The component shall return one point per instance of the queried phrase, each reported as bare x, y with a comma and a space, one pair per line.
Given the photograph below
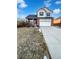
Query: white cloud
58, 2
47, 3
20, 1
22, 4
56, 11
23, 16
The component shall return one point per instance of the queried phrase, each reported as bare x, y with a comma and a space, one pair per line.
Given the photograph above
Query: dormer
44, 12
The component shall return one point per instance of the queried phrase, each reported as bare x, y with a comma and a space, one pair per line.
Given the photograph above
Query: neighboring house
42, 17
57, 21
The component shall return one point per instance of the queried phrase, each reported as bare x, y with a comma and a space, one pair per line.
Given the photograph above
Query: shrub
28, 24
24, 24
21, 24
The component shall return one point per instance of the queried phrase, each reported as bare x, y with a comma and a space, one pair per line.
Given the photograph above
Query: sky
27, 7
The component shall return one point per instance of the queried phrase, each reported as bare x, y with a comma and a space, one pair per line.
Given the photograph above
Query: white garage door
45, 22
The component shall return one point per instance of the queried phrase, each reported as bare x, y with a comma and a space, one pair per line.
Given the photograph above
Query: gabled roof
31, 16
59, 17
35, 17
46, 10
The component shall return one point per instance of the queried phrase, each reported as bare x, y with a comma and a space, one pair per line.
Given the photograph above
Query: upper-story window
48, 14
41, 13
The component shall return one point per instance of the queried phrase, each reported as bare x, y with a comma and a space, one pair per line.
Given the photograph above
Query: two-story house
42, 17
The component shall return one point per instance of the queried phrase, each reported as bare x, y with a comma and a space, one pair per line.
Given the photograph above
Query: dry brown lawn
30, 44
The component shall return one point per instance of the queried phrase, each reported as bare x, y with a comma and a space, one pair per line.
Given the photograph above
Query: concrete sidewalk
52, 37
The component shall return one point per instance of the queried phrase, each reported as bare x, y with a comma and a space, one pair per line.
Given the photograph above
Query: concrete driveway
52, 37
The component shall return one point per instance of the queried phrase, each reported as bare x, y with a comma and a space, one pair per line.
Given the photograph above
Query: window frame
41, 13
47, 14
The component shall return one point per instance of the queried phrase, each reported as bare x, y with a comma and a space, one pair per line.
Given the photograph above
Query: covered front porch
33, 20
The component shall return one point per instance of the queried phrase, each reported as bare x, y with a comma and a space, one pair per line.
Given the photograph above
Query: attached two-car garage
45, 22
